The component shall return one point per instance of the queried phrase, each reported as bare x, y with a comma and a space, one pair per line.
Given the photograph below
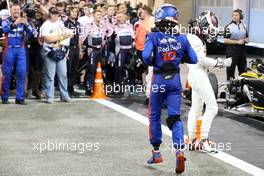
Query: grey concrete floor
117, 145
243, 133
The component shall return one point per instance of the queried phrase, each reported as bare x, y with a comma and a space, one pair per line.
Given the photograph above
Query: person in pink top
110, 20
124, 37
96, 33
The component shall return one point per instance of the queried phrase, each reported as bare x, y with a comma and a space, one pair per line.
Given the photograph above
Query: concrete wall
185, 8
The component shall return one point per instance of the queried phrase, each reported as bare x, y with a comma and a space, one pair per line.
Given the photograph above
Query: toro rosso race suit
14, 53
168, 51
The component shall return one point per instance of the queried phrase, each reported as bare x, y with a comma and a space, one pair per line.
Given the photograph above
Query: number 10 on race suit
169, 56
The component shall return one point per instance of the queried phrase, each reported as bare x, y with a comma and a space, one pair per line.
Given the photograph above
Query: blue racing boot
180, 162
156, 157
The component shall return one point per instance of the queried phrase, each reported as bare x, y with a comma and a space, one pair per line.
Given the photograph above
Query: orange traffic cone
99, 92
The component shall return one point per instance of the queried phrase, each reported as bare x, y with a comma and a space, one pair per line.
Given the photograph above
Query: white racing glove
221, 63
228, 62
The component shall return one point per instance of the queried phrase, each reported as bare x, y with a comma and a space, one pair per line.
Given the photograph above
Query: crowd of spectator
56, 45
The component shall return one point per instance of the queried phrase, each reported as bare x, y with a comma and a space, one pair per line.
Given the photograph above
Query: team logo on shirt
169, 47
172, 40
167, 41
163, 41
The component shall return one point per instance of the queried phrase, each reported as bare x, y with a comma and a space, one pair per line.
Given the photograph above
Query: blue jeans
51, 68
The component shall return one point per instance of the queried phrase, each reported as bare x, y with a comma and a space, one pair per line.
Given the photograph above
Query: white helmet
207, 24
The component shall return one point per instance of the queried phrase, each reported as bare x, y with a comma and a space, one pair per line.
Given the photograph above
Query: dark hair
98, 5
96, 10
147, 9
64, 3
139, 5
85, 5
3, 5
53, 10
59, 4
71, 8
118, 5
75, 4
240, 12
14, 3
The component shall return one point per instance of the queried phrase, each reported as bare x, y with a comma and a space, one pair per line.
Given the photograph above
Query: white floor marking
238, 163
12, 100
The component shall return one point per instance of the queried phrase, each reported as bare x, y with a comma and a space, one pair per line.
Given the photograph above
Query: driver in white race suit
206, 29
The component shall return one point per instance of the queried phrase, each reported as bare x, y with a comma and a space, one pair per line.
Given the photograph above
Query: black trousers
93, 59
72, 67
122, 60
240, 62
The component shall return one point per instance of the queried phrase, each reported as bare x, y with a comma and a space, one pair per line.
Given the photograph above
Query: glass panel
223, 3
257, 4
201, 2
226, 3
205, 3
262, 5
211, 3
218, 3
230, 3
253, 4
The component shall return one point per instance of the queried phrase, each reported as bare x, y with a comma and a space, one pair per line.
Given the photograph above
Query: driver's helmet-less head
207, 25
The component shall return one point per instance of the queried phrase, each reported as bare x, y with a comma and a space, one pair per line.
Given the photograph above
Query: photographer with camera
236, 36
54, 34
14, 28
44, 8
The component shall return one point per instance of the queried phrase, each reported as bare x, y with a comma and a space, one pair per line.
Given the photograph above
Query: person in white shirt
53, 32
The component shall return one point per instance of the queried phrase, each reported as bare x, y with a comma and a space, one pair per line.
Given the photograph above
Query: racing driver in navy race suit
14, 28
165, 49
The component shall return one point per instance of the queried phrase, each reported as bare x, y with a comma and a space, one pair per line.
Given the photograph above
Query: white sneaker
194, 145
205, 146
66, 100
49, 101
